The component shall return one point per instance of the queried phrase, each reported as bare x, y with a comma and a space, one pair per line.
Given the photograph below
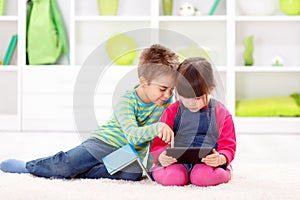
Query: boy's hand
166, 134
215, 159
165, 160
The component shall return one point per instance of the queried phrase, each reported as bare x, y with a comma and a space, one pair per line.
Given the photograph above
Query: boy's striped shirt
132, 122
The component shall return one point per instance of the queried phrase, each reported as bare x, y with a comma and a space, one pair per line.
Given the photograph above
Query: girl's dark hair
195, 78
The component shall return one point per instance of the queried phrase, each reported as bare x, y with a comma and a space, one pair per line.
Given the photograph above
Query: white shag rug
266, 167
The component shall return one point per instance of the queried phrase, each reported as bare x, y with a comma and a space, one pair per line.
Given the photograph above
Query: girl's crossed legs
200, 175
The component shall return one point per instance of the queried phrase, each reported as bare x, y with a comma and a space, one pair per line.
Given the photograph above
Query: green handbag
46, 39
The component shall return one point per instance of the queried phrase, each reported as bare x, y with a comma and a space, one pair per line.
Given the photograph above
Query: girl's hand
166, 134
166, 160
215, 159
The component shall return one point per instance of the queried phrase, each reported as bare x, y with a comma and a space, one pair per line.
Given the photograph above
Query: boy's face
159, 90
194, 104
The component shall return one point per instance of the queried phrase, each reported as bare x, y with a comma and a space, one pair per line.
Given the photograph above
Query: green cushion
271, 106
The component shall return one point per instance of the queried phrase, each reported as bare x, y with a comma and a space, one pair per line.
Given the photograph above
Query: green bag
46, 37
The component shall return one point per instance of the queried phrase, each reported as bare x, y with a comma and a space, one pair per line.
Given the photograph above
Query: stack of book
121, 158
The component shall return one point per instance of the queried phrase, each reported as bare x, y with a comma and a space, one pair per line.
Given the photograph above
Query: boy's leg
204, 175
175, 174
13, 166
131, 173
63, 164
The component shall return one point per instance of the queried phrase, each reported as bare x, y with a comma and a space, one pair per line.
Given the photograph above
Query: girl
135, 121
197, 121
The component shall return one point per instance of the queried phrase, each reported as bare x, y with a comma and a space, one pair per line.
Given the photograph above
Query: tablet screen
189, 155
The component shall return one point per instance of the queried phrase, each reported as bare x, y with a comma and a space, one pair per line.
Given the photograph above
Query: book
122, 158
214, 7
10, 50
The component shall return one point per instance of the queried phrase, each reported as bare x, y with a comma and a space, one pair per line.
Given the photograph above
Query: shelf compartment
209, 34
251, 85
203, 6
53, 79
270, 39
8, 93
11, 28
11, 8
125, 8
88, 41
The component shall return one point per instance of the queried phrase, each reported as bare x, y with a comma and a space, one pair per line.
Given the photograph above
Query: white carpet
266, 167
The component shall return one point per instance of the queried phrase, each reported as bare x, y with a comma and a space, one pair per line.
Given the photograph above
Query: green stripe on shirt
132, 122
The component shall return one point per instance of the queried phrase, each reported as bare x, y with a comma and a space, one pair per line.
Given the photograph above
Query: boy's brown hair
156, 61
195, 78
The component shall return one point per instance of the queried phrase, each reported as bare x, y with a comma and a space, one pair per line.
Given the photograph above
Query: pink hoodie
226, 141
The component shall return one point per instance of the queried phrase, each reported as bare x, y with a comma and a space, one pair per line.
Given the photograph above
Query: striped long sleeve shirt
132, 122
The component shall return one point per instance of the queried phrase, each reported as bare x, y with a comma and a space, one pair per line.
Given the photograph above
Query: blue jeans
80, 163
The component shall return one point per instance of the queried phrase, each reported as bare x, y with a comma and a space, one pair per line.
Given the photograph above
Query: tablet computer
190, 155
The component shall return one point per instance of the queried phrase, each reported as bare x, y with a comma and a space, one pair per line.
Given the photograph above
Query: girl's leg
63, 164
175, 174
204, 175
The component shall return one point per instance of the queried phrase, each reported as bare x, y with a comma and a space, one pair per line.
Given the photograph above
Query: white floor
265, 167
30, 145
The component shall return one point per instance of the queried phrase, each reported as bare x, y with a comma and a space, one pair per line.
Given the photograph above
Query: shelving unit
41, 97
261, 79
9, 74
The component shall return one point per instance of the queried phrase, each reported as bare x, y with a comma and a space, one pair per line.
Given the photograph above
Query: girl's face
194, 104
158, 91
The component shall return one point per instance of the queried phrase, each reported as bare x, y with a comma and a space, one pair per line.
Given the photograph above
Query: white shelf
192, 18
42, 95
269, 125
112, 18
274, 18
8, 68
8, 18
50, 67
267, 69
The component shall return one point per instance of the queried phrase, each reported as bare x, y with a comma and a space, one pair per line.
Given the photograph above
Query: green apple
121, 49
290, 7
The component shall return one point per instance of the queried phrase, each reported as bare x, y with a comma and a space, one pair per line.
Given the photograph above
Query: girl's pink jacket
226, 141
